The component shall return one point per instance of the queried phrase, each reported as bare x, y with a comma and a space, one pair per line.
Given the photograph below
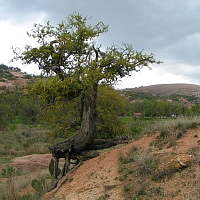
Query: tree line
62, 116
159, 108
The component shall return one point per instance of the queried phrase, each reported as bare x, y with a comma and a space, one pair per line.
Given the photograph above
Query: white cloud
169, 29
16, 36
151, 77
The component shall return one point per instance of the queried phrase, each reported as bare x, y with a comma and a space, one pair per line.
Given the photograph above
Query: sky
170, 29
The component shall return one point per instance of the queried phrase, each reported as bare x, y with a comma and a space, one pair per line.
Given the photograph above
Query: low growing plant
9, 171
42, 186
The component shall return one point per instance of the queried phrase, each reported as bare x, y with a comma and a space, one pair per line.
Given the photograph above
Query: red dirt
97, 177
183, 185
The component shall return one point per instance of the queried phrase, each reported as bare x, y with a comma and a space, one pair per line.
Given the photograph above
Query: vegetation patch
137, 171
142, 174
172, 130
9, 171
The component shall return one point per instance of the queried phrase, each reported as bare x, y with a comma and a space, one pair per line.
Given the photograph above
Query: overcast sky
170, 29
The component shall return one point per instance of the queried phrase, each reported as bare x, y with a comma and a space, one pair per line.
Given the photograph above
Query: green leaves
37, 185
52, 169
110, 106
53, 88
69, 53
69, 49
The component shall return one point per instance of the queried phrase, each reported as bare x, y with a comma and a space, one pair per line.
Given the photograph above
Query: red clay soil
188, 141
185, 184
97, 178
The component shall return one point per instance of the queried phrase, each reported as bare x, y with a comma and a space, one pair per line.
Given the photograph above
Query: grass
171, 131
138, 127
10, 189
9, 171
141, 173
134, 167
6, 159
19, 140
22, 140
136, 170
194, 185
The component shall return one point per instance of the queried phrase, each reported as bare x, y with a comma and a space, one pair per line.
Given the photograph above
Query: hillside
10, 76
145, 168
169, 89
114, 176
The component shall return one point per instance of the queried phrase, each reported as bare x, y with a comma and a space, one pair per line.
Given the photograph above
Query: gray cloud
169, 29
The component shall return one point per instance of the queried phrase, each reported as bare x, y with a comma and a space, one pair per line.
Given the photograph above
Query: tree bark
87, 132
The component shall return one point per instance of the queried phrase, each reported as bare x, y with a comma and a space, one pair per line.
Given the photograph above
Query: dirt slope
97, 178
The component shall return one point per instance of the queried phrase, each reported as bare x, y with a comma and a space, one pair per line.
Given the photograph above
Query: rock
180, 161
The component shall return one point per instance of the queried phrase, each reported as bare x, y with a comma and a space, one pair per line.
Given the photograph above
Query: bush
110, 106
5, 115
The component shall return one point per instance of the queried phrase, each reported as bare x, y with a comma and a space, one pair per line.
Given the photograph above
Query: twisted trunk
87, 132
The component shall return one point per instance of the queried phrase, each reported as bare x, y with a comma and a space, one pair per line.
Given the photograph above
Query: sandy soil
98, 178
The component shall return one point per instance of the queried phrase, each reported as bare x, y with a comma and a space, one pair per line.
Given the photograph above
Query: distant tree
3, 67
6, 111
5, 115
158, 108
69, 50
30, 109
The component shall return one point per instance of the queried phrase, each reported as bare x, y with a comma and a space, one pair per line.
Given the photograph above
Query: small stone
180, 161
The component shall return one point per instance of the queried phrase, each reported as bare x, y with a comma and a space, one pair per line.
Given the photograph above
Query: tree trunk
86, 135
87, 132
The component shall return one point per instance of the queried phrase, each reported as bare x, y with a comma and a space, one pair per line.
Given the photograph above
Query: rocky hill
10, 77
169, 89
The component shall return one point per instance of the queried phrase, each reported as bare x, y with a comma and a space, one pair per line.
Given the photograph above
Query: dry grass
9, 191
147, 175
137, 170
10, 188
194, 187
23, 140
171, 131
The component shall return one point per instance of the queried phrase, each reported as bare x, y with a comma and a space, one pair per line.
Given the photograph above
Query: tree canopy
70, 51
